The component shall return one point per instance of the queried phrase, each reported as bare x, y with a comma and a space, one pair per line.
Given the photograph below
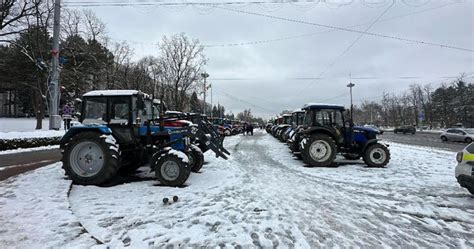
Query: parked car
464, 171
405, 129
458, 134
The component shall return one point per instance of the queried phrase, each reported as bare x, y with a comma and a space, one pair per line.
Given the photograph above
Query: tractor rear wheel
196, 158
90, 158
319, 151
376, 155
171, 168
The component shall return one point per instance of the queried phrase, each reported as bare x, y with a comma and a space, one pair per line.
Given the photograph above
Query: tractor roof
311, 106
297, 110
111, 93
106, 93
287, 115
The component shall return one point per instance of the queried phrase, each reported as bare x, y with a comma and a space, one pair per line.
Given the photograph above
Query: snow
34, 212
22, 150
11, 128
261, 196
322, 104
184, 158
110, 93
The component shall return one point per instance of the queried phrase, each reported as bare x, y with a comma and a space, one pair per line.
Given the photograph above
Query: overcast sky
267, 77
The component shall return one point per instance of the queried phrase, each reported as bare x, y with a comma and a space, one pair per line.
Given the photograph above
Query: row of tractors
122, 130
228, 127
316, 133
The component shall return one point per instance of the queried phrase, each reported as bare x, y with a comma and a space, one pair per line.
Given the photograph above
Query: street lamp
205, 76
351, 85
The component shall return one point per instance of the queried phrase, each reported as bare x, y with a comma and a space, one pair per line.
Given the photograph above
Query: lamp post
351, 85
205, 76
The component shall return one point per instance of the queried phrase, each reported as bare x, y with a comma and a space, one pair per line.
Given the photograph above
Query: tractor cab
122, 111
298, 118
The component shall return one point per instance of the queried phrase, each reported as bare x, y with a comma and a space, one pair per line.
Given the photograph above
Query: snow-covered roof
322, 106
298, 110
111, 93
287, 115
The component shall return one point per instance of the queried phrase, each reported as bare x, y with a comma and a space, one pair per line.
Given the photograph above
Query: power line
244, 101
298, 36
350, 46
350, 30
336, 78
167, 3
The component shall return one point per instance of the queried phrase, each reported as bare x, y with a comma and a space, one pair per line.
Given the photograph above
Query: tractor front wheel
90, 158
196, 158
376, 155
171, 168
319, 151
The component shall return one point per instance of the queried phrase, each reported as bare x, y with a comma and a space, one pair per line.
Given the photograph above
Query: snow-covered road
260, 196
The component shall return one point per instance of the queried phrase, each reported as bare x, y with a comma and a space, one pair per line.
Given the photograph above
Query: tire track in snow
341, 187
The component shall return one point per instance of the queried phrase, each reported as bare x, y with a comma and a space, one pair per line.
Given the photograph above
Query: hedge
16, 143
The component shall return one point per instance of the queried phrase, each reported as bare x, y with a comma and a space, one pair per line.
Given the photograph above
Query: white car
458, 134
464, 171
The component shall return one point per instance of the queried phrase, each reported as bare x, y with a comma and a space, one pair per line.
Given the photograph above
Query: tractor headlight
459, 157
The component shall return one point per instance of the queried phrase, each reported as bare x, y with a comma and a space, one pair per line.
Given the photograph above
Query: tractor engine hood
366, 129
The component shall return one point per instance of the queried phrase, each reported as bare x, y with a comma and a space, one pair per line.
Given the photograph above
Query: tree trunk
39, 110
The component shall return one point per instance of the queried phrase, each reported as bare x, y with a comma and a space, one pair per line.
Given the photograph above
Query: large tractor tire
319, 151
196, 158
376, 155
171, 168
91, 158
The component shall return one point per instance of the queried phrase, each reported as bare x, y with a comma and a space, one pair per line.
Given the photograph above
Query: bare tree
181, 62
95, 28
13, 14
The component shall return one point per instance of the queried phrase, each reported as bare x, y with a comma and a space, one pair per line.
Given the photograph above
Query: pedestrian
250, 129
68, 111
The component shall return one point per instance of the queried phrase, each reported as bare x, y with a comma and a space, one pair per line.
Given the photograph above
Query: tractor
281, 129
325, 134
292, 135
122, 130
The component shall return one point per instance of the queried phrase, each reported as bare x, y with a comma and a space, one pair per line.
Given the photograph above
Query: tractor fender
102, 129
370, 142
310, 131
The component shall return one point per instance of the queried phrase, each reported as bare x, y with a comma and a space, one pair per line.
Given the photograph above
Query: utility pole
351, 85
210, 85
205, 76
54, 118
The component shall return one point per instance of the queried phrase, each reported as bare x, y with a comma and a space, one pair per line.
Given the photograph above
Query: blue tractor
122, 130
325, 133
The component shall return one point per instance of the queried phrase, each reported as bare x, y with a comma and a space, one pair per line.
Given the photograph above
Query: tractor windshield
95, 110
287, 120
119, 110
308, 118
300, 118
329, 118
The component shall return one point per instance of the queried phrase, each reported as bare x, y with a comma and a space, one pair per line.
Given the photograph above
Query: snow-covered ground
21, 124
11, 128
22, 150
261, 196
